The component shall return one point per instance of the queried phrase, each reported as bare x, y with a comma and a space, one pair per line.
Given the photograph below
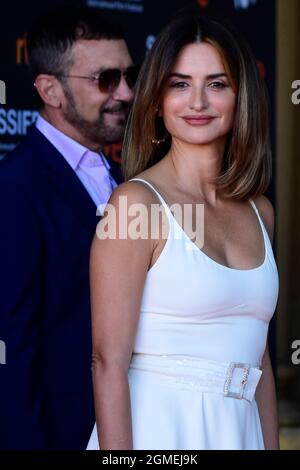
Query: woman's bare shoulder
135, 192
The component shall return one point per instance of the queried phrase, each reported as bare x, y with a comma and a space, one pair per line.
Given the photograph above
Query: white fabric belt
232, 379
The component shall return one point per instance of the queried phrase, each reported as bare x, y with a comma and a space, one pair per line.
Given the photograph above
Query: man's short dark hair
50, 41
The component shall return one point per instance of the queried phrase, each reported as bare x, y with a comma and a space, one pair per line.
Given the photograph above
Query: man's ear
49, 89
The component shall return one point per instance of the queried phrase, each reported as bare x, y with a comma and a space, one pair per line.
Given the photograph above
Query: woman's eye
218, 85
178, 84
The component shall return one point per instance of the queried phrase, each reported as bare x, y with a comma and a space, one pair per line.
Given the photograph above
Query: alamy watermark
2, 92
138, 221
296, 94
2, 352
296, 354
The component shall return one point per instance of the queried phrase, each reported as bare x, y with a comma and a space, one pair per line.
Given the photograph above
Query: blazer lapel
65, 180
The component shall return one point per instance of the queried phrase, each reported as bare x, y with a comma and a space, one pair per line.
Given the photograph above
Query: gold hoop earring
159, 141
159, 129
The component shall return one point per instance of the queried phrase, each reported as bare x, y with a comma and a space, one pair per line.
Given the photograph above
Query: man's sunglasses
109, 79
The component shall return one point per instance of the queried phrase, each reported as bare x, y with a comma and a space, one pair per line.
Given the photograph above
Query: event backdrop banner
141, 20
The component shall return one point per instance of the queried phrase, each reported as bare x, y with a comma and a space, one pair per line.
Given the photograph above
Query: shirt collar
71, 150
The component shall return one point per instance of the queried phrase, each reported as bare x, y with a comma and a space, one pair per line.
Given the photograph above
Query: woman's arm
267, 404
118, 268
266, 392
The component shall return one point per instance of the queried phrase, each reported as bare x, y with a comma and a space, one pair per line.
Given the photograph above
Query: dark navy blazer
47, 223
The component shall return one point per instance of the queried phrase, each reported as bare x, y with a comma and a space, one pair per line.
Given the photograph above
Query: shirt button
93, 160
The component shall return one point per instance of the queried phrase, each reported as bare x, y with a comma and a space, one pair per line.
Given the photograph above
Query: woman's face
199, 103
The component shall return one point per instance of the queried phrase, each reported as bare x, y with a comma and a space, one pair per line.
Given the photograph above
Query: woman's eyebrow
210, 76
180, 75
217, 75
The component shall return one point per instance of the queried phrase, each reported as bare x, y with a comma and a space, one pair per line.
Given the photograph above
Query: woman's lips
198, 120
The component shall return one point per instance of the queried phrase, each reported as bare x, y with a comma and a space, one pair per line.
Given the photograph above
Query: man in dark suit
50, 187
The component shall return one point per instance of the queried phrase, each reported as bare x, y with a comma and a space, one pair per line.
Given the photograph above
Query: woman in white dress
181, 312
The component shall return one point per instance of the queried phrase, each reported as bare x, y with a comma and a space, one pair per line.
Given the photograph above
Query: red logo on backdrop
113, 151
203, 3
21, 50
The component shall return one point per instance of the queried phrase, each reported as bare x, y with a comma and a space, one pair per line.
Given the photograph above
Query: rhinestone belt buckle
229, 375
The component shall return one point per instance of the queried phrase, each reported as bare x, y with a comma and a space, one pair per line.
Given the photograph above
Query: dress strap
267, 240
155, 191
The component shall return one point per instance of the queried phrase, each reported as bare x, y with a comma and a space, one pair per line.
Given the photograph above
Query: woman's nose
198, 98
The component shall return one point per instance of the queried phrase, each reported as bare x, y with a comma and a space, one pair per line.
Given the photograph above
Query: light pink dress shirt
91, 168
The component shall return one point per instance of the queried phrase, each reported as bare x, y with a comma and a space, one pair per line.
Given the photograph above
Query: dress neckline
196, 248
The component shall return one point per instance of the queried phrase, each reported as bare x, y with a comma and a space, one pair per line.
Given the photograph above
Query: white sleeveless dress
199, 344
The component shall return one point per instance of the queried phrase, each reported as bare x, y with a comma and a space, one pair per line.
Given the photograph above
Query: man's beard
96, 131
